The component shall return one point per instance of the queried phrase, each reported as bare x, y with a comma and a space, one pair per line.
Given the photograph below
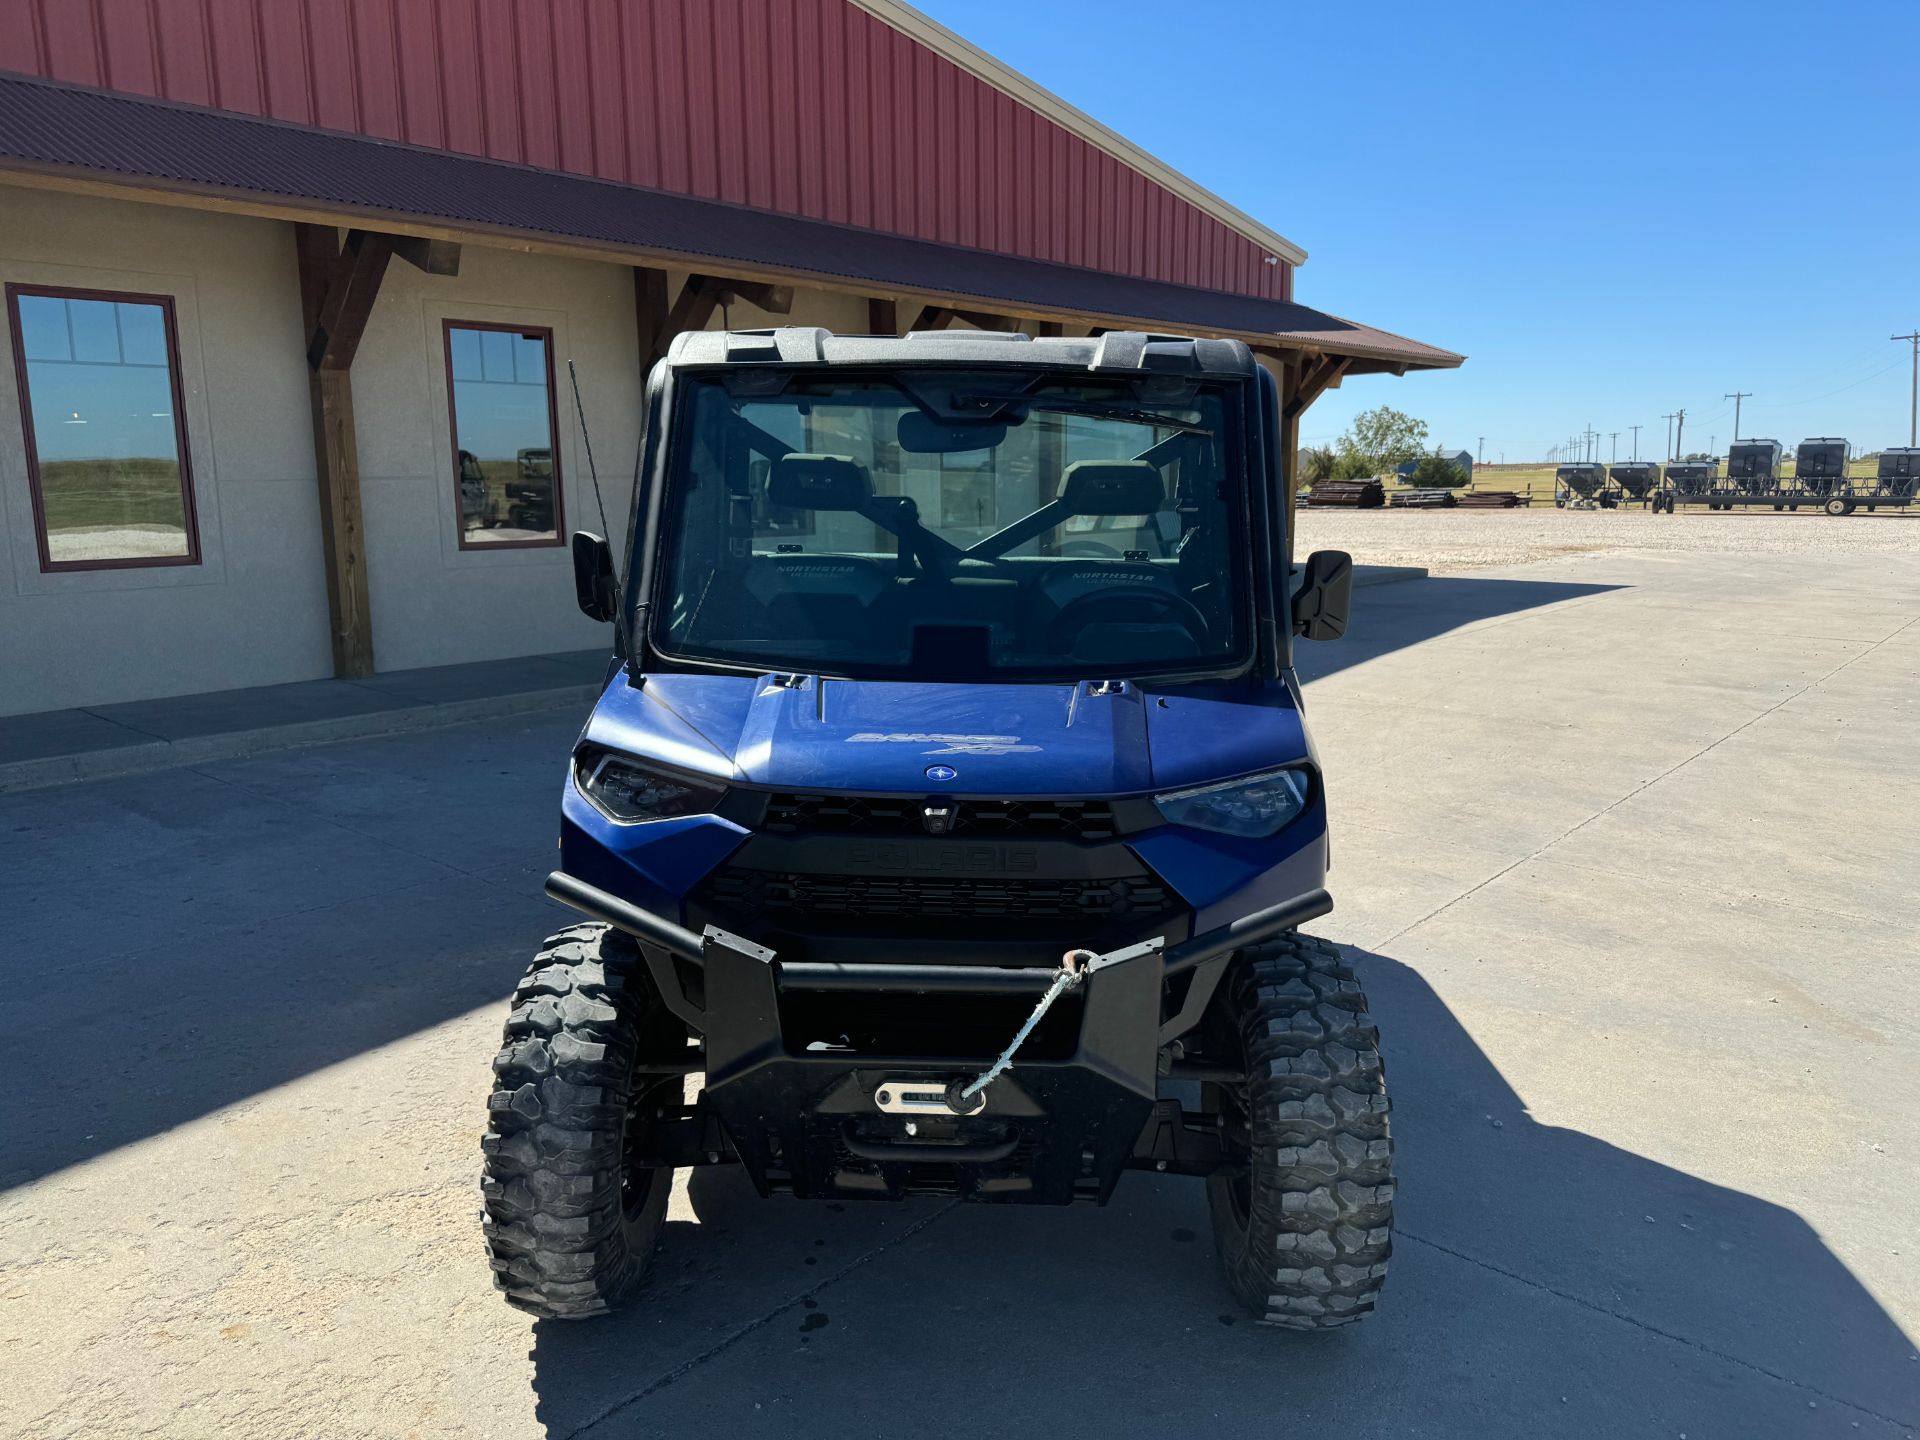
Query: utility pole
1737, 396
1669, 420
1680, 430
1613, 438
1913, 412
1713, 445
1480, 452
1636, 440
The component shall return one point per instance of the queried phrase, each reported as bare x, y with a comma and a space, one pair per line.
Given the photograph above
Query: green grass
111, 494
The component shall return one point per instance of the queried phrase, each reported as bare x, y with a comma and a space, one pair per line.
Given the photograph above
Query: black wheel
570, 1219
1838, 506
1303, 1211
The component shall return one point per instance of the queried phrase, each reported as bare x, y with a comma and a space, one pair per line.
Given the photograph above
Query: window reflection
501, 388
103, 428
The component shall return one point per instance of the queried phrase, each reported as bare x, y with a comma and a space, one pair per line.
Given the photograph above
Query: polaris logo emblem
942, 772
937, 817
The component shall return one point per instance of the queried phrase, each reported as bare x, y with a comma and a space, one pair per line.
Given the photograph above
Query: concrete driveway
1625, 844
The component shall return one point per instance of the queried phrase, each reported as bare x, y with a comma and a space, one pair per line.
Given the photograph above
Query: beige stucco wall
254, 611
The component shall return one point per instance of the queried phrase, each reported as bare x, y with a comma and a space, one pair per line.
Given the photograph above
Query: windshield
953, 525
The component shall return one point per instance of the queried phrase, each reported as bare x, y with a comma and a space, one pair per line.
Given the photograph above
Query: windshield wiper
1112, 410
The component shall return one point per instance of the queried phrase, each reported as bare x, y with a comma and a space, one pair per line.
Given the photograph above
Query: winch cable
1075, 967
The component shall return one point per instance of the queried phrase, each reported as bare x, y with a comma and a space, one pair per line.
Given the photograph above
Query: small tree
1380, 439
1316, 463
1437, 471
1351, 465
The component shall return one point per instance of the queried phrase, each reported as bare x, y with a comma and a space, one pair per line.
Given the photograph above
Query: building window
106, 439
505, 466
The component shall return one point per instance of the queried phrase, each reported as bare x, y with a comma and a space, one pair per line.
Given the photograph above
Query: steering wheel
1074, 616
1089, 550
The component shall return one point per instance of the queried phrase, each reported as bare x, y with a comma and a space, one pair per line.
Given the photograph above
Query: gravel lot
1478, 539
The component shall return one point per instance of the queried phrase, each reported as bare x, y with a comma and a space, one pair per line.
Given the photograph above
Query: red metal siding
812, 107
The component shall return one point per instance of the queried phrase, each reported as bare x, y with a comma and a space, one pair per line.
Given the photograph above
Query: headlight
624, 790
1254, 807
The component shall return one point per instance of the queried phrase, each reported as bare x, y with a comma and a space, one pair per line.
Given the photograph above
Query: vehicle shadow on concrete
1406, 613
1544, 1282
253, 920
216, 933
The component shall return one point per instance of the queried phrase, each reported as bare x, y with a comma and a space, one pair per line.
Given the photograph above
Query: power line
1737, 396
1913, 413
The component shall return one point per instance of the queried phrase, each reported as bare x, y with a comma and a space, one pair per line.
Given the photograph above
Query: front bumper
800, 1111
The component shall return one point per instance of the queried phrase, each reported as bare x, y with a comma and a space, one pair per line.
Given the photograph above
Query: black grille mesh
777, 894
792, 812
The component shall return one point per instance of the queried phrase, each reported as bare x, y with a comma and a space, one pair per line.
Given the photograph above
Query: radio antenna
620, 623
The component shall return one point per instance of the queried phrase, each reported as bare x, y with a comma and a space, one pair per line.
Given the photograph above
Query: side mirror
593, 585
1325, 597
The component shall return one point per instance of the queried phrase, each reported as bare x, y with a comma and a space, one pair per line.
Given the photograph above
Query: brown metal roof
62, 129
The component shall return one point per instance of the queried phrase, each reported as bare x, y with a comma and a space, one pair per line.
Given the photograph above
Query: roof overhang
101, 142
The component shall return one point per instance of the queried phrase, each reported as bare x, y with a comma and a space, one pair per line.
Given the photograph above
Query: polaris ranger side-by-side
949, 808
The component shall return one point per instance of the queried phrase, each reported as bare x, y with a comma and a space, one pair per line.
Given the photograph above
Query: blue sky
1613, 210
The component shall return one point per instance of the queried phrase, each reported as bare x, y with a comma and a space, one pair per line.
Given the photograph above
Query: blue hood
884, 736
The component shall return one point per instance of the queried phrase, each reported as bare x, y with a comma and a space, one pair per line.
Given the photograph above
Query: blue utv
949, 810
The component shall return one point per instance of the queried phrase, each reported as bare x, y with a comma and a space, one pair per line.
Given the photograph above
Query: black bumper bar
803, 1114
655, 930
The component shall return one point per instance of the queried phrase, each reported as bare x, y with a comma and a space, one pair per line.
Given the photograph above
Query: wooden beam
774, 299
1314, 379
650, 314
1051, 328
883, 316
931, 317
982, 320
435, 257
348, 302
338, 285
315, 248
699, 298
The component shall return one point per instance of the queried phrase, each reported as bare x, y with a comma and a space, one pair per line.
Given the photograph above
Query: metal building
293, 287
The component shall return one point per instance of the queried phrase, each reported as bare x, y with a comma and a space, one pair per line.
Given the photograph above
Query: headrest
1112, 487
818, 482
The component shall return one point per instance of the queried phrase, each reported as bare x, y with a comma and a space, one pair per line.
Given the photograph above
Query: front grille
793, 812
782, 897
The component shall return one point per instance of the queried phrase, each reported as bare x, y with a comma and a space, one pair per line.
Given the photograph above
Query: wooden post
883, 317
338, 284
1289, 463
650, 311
1303, 380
